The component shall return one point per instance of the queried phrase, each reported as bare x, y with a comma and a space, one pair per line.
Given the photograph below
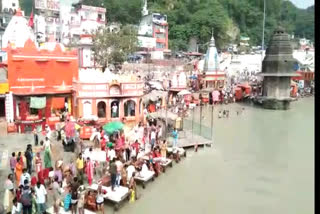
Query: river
262, 162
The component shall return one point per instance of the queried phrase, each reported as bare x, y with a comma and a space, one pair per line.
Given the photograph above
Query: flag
31, 24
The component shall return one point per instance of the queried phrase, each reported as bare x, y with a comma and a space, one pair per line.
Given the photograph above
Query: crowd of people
33, 178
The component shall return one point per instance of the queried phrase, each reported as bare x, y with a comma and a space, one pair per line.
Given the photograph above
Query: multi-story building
82, 20
77, 28
153, 31
47, 21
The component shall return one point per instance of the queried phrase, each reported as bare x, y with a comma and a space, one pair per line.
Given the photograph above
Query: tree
114, 47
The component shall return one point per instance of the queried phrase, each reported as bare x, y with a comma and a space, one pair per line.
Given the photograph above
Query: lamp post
263, 25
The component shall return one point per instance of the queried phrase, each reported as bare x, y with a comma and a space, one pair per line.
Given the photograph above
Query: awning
57, 102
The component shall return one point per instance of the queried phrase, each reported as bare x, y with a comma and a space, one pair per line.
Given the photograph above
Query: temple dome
211, 62
17, 32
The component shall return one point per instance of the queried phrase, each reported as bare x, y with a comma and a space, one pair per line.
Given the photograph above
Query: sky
303, 3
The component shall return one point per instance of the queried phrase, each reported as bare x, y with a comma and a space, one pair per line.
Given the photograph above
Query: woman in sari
47, 153
47, 159
164, 149
89, 171
8, 194
19, 168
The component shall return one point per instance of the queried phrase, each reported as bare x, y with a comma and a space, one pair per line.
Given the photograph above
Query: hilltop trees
114, 47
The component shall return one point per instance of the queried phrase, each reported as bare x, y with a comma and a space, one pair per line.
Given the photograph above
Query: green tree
114, 47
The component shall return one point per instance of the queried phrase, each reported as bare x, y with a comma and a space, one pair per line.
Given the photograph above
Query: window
115, 109
101, 109
160, 35
129, 108
159, 45
100, 17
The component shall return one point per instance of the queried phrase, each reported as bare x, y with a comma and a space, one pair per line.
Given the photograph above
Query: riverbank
262, 161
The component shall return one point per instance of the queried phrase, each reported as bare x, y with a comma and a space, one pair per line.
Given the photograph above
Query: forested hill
230, 19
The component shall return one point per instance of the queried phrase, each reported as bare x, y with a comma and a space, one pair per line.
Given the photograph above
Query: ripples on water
262, 162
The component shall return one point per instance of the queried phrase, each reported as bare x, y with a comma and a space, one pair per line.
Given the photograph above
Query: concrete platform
187, 140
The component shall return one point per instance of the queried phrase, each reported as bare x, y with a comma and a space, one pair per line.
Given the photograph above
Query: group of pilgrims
34, 182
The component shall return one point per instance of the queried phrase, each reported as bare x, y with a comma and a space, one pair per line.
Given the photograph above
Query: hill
230, 19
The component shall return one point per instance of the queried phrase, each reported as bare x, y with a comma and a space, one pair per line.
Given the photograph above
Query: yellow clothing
79, 163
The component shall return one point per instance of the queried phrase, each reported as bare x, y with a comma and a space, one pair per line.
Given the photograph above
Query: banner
38, 102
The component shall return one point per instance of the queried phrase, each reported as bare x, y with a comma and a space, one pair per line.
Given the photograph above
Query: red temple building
41, 83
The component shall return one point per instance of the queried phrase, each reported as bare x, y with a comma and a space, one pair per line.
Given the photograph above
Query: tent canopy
154, 95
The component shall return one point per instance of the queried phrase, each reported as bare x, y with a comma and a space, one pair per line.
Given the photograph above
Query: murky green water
262, 162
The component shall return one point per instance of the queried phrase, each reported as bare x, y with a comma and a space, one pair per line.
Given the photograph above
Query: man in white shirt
159, 134
153, 137
130, 171
114, 110
41, 195
48, 131
111, 154
25, 176
46, 144
119, 165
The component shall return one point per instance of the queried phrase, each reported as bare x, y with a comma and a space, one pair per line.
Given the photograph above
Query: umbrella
184, 92
112, 127
70, 128
215, 95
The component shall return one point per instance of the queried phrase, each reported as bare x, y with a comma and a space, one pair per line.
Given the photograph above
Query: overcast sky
303, 3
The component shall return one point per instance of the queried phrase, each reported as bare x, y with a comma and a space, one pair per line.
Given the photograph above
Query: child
81, 204
34, 203
132, 187
67, 200
15, 207
100, 200
38, 163
13, 162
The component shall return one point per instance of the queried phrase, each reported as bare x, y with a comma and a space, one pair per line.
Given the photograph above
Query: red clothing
33, 181
43, 175
156, 155
136, 146
103, 144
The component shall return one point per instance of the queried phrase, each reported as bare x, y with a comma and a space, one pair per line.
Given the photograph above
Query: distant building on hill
153, 33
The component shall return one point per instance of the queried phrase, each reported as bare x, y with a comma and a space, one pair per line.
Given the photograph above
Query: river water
262, 161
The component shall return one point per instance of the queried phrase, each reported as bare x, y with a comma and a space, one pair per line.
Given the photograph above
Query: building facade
153, 33
108, 97
41, 84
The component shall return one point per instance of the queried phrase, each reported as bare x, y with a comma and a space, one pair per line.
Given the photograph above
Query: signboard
146, 42
91, 8
4, 88
47, 4
114, 90
93, 94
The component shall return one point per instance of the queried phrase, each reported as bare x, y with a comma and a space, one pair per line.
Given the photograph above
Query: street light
263, 25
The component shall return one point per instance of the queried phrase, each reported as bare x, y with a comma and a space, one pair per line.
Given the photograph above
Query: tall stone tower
277, 71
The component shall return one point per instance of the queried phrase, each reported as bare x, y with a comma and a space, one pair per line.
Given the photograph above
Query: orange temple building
41, 83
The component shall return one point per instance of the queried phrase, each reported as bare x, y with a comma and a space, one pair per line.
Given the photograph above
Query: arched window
129, 108
115, 109
101, 109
